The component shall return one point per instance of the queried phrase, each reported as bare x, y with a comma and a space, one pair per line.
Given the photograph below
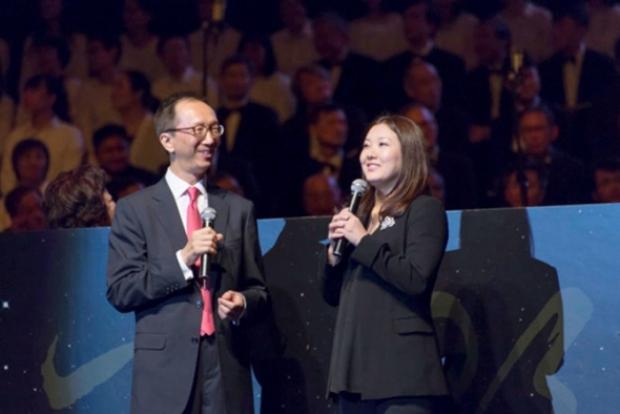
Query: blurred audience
180, 75
270, 87
455, 30
45, 101
24, 208
378, 34
293, 45
604, 28
112, 152
131, 97
139, 43
530, 25
455, 172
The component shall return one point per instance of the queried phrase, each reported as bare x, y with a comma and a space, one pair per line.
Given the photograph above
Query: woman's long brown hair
413, 178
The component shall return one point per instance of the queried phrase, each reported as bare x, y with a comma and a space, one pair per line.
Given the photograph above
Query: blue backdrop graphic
63, 348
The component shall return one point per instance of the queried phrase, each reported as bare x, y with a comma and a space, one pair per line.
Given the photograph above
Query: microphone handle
204, 263
341, 244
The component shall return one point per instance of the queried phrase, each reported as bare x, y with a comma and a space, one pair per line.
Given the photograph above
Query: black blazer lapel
167, 214
217, 202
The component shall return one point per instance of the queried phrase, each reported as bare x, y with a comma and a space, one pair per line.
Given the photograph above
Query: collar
179, 187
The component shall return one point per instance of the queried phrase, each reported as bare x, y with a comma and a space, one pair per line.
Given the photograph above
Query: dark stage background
526, 309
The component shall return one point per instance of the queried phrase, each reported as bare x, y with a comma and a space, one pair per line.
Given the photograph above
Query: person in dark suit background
573, 77
191, 355
420, 22
457, 170
384, 355
251, 138
354, 76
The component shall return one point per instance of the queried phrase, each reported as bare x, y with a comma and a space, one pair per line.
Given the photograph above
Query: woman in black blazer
385, 357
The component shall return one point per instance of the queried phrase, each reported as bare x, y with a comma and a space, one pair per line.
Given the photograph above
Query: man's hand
231, 305
201, 241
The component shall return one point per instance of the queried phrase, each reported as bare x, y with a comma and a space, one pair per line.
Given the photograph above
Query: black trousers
352, 404
207, 395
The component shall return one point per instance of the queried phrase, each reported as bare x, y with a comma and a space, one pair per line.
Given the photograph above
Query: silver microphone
358, 188
208, 216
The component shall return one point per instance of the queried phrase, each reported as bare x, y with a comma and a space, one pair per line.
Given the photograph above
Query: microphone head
359, 186
208, 214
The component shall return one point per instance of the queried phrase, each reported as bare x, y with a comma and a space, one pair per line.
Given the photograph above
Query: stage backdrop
526, 307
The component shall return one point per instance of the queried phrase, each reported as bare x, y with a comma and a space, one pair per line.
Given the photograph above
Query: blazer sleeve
134, 279
413, 270
252, 278
331, 281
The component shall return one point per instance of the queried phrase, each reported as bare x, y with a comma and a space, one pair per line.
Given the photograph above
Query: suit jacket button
199, 304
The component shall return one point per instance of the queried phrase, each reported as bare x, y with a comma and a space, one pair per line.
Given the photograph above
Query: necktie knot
193, 193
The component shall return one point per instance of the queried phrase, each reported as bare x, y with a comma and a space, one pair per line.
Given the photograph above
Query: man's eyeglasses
200, 130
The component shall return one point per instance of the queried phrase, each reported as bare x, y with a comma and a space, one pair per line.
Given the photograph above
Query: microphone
208, 215
358, 188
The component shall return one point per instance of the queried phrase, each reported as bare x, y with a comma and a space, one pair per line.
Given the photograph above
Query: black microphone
208, 215
358, 188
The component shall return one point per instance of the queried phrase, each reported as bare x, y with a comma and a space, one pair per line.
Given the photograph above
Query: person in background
453, 172
604, 26
31, 161
378, 34
112, 152
531, 28
181, 76
251, 135
131, 96
455, 31
270, 87
321, 195
51, 20
95, 107
78, 198
437, 185
385, 355
45, 100
139, 43
293, 45
222, 40
530, 177
7, 113
606, 177
23, 210
564, 175
52, 55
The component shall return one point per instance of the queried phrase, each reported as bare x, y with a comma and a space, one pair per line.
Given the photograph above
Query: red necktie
194, 222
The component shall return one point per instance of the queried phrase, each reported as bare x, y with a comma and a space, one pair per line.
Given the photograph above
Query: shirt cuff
187, 272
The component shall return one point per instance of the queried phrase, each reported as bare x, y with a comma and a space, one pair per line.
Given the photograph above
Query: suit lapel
216, 201
167, 214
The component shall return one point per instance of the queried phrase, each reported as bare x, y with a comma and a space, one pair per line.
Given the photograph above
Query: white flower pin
388, 221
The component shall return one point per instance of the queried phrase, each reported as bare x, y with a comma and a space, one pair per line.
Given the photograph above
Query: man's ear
166, 141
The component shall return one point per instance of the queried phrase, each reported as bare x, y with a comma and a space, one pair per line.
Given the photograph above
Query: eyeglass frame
192, 130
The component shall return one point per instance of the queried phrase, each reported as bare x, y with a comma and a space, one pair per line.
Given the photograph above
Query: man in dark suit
420, 22
574, 76
252, 137
564, 175
354, 76
191, 353
457, 170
